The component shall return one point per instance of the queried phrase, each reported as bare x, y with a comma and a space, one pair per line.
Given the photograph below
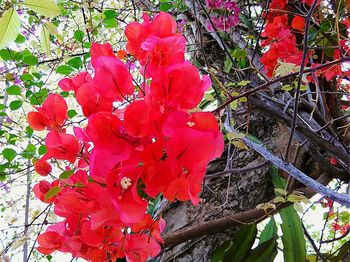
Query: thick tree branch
342, 199
229, 222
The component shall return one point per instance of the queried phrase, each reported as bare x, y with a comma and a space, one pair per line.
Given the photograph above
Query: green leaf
9, 154
266, 251
42, 150
110, 23
152, 205
110, 14
242, 243
293, 240
3, 177
39, 97
72, 113
15, 105
29, 131
45, 40
79, 35
53, 31
66, 174
52, 192
220, 251
26, 77
46, 8
5, 54
30, 60
239, 53
64, 70
10, 24
87, 45
64, 94
270, 231
244, 83
165, 7
29, 152
14, 90
20, 39
75, 62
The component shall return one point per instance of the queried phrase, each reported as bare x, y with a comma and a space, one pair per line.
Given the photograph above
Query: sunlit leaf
45, 40
46, 8
52, 192
10, 25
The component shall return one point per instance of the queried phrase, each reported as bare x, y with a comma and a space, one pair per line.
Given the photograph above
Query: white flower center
125, 182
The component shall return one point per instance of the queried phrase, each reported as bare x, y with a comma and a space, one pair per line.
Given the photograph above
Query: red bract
298, 23
52, 114
61, 146
74, 83
138, 247
42, 188
163, 25
179, 86
163, 52
112, 79
49, 242
126, 157
276, 30
285, 51
98, 50
42, 167
91, 102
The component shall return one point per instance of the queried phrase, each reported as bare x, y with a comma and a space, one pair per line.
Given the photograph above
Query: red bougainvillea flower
137, 119
112, 79
49, 242
163, 52
138, 247
126, 156
90, 100
122, 184
109, 146
276, 30
42, 167
42, 188
52, 114
155, 228
74, 83
298, 23
285, 51
179, 86
163, 25
122, 54
61, 146
98, 50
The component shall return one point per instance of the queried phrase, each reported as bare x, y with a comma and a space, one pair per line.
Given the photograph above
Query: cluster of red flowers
279, 36
124, 158
280, 39
336, 218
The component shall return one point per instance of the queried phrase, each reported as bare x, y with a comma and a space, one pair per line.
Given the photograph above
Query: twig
301, 73
236, 170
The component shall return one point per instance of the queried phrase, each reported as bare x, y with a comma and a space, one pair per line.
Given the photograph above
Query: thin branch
342, 199
236, 170
277, 80
300, 77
